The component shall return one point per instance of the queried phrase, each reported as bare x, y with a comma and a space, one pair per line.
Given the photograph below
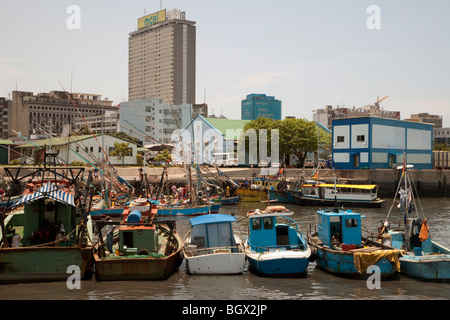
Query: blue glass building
260, 105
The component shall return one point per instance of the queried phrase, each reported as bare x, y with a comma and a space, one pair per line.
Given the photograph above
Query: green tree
120, 151
163, 156
124, 136
296, 136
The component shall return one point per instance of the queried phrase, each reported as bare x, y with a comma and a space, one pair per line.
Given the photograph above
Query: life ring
2, 193
200, 194
113, 195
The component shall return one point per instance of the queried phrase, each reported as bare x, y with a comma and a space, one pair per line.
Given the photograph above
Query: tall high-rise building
162, 58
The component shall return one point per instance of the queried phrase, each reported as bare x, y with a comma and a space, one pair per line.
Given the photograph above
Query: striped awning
49, 191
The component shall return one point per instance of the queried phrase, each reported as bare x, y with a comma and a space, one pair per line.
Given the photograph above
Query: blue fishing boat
423, 258
275, 247
225, 200
188, 210
338, 246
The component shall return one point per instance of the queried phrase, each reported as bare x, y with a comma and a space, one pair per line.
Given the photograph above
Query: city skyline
308, 55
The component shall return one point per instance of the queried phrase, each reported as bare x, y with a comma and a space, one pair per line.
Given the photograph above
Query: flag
316, 175
404, 166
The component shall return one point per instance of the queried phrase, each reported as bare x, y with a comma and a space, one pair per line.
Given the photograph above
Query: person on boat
60, 236
335, 240
15, 241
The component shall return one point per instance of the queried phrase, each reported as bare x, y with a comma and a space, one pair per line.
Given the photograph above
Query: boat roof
353, 186
262, 214
340, 212
212, 218
50, 191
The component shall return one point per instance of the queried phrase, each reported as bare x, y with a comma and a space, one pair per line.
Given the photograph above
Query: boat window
268, 223
351, 223
199, 241
128, 239
256, 224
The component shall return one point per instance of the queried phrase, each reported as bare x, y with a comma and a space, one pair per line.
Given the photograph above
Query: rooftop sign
152, 19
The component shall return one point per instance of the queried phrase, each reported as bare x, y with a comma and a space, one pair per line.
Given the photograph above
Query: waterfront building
378, 143
162, 61
260, 105
204, 137
80, 148
48, 112
152, 121
107, 123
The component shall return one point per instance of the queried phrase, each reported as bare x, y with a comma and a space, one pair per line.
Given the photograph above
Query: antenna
71, 80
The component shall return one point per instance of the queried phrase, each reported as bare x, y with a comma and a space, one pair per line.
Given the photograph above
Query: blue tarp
49, 191
212, 218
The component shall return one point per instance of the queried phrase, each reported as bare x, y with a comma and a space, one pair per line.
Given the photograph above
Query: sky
308, 54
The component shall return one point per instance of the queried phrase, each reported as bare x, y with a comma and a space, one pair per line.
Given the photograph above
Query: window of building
360, 138
340, 139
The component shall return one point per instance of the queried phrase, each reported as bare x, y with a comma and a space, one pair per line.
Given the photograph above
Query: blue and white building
378, 143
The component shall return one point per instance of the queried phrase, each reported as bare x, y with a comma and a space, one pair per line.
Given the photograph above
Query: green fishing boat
46, 235
140, 248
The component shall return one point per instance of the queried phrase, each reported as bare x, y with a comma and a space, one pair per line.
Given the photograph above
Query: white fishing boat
213, 247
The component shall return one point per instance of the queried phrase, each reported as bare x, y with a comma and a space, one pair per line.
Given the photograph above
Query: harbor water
314, 285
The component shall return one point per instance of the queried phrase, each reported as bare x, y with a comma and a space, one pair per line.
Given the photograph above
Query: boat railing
191, 250
284, 247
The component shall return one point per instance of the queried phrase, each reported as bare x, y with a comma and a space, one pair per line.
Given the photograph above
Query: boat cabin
48, 208
213, 231
266, 233
342, 191
135, 238
265, 184
344, 225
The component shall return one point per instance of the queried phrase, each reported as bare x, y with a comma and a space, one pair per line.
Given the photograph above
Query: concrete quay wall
429, 183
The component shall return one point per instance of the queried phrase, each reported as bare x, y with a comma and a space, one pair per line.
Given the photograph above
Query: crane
377, 104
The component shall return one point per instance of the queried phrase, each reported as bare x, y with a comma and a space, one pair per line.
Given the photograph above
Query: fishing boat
213, 247
225, 200
187, 209
423, 258
48, 230
143, 249
275, 247
338, 246
257, 190
348, 195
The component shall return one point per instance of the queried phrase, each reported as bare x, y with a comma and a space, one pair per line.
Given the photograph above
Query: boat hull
280, 263
126, 269
216, 263
40, 264
428, 267
278, 196
343, 263
252, 195
107, 212
188, 210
